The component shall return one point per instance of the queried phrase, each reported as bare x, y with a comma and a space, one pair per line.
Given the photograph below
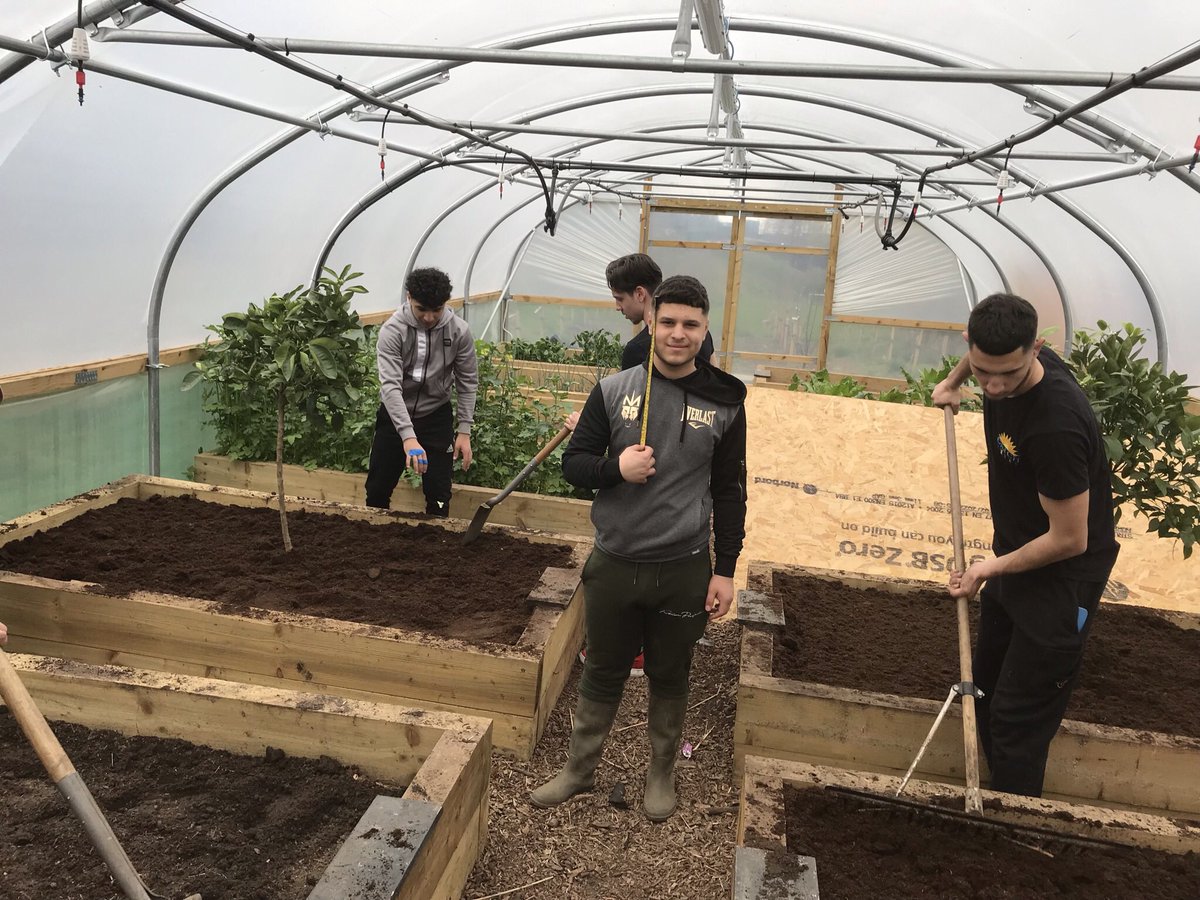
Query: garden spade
485, 508
966, 685
68, 782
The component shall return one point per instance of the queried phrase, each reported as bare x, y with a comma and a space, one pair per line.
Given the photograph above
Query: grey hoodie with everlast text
412, 385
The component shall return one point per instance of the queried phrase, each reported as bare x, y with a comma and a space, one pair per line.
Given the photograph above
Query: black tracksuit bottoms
1027, 659
435, 432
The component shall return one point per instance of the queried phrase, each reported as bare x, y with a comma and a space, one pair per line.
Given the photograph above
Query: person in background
650, 580
3, 634
424, 350
1055, 543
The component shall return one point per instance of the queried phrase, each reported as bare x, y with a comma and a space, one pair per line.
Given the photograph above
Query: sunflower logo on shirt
1008, 447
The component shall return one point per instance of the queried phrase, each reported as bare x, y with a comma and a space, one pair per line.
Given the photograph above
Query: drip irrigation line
252, 44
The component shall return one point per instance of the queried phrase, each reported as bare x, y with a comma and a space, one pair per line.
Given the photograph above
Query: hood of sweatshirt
404, 312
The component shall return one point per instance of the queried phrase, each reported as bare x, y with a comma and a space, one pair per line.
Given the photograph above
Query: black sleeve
636, 351
1060, 463
706, 348
585, 462
728, 486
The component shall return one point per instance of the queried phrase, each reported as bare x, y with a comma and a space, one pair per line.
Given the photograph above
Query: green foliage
819, 383
511, 427
919, 390
600, 349
547, 349
1150, 437
309, 344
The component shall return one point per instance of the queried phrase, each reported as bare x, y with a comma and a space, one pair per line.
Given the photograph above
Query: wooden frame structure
762, 816
874, 732
515, 686
443, 758
530, 512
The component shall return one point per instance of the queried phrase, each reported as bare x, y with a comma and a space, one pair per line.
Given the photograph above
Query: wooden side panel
53, 516
559, 656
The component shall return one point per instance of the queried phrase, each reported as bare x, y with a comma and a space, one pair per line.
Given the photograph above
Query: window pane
883, 350
674, 226
781, 303
775, 231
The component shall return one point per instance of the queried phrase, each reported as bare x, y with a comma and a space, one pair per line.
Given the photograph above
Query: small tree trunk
287, 539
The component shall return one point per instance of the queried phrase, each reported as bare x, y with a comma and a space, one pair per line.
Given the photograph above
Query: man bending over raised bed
650, 581
424, 349
1052, 511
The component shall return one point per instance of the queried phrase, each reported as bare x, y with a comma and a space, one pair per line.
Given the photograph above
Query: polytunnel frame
892, 46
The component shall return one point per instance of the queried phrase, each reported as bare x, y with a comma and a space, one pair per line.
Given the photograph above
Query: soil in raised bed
1139, 670
401, 575
866, 849
192, 819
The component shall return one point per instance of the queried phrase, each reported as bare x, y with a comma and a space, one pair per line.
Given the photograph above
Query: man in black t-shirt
633, 280
1054, 540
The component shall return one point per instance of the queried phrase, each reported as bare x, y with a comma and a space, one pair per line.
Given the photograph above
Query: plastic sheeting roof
92, 198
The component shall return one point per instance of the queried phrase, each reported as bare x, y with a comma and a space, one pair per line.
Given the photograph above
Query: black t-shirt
1047, 441
638, 349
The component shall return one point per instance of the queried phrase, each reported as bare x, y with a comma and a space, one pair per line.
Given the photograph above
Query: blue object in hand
1080, 619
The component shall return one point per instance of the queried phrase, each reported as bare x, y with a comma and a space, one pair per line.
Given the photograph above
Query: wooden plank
835, 234
545, 300
762, 609
65, 378
1132, 828
55, 515
800, 251
556, 587
790, 209
692, 245
900, 323
560, 651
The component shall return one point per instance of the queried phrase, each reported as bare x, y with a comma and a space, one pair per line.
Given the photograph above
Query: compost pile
1139, 670
401, 575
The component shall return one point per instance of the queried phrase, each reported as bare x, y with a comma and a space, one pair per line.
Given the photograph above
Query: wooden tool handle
32, 722
970, 737
549, 448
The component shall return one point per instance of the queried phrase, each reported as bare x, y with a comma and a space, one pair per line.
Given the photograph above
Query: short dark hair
682, 289
627, 273
1002, 323
429, 286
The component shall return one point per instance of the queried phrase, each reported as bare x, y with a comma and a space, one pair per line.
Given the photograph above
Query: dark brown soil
1139, 670
588, 849
191, 819
866, 850
415, 577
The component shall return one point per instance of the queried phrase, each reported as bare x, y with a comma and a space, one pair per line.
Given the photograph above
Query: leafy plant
919, 390
1150, 436
546, 349
819, 383
510, 427
600, 349
298, 351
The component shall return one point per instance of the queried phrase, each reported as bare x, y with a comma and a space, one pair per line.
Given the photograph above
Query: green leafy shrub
600, 349
546, 349
919, 388
298, 352
1150, 436
819, 383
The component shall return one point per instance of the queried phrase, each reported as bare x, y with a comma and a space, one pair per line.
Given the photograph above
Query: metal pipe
687, 65
647, 137
57, 33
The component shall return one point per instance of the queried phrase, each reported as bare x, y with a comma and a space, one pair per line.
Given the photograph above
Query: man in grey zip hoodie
650, 581
424, 349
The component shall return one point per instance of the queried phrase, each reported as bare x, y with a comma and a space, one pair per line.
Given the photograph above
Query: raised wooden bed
535, 512
877, 732
443, 758
561, 376
762, 825
516, 686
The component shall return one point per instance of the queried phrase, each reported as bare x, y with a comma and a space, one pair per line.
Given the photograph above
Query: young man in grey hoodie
650, 581
424, 349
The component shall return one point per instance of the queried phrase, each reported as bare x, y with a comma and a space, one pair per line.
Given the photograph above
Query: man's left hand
720, 596
462, 447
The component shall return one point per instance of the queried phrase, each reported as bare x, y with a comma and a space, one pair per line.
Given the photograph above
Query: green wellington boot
665, 727
592, 723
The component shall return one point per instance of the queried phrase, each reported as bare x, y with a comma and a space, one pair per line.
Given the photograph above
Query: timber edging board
443, 758
762, 820
516, 686
557, 515
875, 732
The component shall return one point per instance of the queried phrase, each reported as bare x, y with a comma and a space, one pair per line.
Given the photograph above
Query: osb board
863, 486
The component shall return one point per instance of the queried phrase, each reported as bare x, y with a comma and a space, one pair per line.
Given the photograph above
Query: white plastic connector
1003, 180
382, 148
79, 52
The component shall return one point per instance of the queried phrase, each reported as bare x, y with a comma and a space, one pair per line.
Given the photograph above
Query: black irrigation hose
251, 44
